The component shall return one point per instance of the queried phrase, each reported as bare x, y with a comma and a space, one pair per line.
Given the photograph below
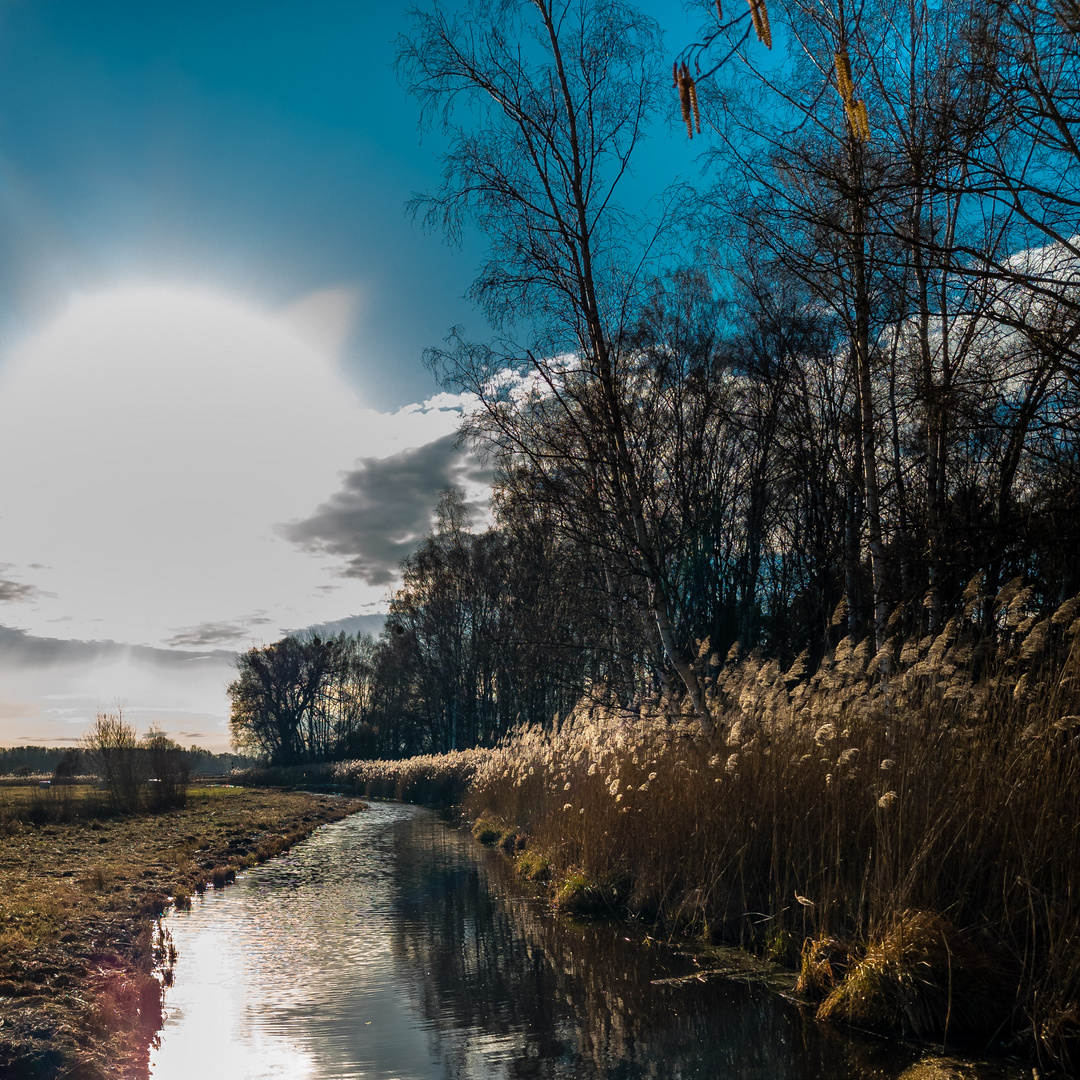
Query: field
82, 958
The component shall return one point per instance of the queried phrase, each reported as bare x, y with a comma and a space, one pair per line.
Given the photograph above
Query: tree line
70, 761
822, 393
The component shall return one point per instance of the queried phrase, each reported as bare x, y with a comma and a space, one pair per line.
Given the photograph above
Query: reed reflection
536, 996
390, 946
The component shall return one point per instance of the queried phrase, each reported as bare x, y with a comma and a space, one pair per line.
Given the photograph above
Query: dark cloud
17, 592
210, 633
385, 508
20, 649
351, 625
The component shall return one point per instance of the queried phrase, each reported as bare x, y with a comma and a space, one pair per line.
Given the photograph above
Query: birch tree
544, 103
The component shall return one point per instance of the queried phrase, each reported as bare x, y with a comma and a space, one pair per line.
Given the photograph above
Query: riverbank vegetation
82, 955
911, 846
769, 632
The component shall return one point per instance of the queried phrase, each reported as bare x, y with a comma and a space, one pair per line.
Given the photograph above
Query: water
390, 947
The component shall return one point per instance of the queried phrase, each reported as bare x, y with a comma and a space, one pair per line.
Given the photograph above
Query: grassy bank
82, 955
912, 844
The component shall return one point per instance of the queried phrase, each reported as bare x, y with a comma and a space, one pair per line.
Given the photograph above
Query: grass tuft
921, 979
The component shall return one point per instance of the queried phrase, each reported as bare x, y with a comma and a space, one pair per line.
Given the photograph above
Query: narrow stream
391, 946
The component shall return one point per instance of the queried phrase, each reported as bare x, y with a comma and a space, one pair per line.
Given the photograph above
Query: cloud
351, 625
213, 633
386, 507
326, 317
52, 688
16, 592
18, 649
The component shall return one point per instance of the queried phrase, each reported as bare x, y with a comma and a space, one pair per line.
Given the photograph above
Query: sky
215, 423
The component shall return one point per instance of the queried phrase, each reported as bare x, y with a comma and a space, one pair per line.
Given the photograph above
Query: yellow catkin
856, 114
864, 122
694, 106
843, 76
759, 16
765, 33
755, 18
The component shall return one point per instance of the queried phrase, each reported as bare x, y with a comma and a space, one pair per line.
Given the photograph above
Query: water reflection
388, 946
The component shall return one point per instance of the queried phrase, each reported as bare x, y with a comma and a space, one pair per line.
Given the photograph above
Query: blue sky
263, 147
215, 423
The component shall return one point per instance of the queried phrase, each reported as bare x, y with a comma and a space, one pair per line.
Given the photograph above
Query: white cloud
51, 689
150, 440
325, 318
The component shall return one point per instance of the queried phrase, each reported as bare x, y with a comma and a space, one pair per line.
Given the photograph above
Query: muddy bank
81, 956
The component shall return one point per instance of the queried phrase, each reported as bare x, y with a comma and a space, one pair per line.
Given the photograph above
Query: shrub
922, 977
487, 832
113, 750
168, 768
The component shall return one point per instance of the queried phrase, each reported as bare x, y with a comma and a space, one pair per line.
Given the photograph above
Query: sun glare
151, 437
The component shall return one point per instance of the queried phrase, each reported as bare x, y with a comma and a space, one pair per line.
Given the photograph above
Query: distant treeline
72, 761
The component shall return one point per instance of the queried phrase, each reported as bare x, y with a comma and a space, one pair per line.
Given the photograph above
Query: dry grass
922, 977
438, 779
36, 799
432, 778
81, 960
832, 804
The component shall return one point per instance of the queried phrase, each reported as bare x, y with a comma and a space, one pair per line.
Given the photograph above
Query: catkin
843, 76
766, 30
759, 16
863, 121
688, 99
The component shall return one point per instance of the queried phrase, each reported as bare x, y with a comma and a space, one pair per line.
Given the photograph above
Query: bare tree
112, 747
544, 103
274, 701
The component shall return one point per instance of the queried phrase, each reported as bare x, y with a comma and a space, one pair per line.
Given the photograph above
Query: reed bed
437, 779
442, 779
903, 821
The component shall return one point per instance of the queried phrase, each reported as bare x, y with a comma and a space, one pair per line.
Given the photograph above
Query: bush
150, 772
168, 768
112, 746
